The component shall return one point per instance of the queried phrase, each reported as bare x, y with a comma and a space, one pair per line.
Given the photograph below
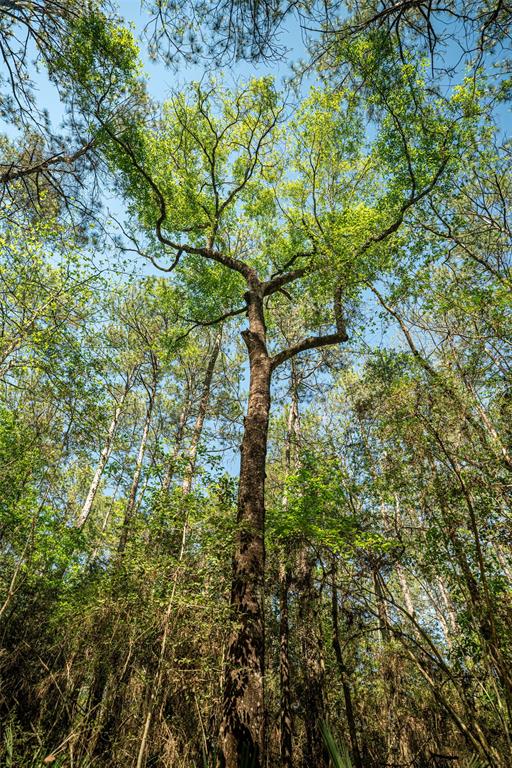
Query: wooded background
255, 384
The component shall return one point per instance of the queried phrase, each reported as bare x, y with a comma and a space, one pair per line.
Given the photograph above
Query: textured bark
243, 724
313, 661
242, 732
286, 721
345, 682
285, 580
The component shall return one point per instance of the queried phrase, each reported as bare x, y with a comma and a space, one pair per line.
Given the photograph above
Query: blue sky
161, 80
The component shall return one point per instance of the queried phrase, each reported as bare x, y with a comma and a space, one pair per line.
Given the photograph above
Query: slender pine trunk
313, 665
286, 720
178, 439
201, 415
130, 506
285, 580
154, 688
345, 682
104, 455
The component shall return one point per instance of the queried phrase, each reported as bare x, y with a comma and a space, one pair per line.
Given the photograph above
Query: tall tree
224, 211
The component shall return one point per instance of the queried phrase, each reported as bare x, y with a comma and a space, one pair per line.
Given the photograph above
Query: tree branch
315, 342
17, 172
206, 323
209, 253
279, 280
412, 200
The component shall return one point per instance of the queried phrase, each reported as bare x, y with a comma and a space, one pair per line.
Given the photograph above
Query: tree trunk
130, 506
242, 732
201, 414
286, 723
447, 611
178, 439
347, 693
285, 579
313, 672
243, 723
104, 456
153, 692
382, 609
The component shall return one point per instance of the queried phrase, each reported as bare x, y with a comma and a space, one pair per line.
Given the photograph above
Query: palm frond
339, 755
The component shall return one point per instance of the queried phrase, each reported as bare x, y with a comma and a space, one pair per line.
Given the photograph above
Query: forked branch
315, 342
